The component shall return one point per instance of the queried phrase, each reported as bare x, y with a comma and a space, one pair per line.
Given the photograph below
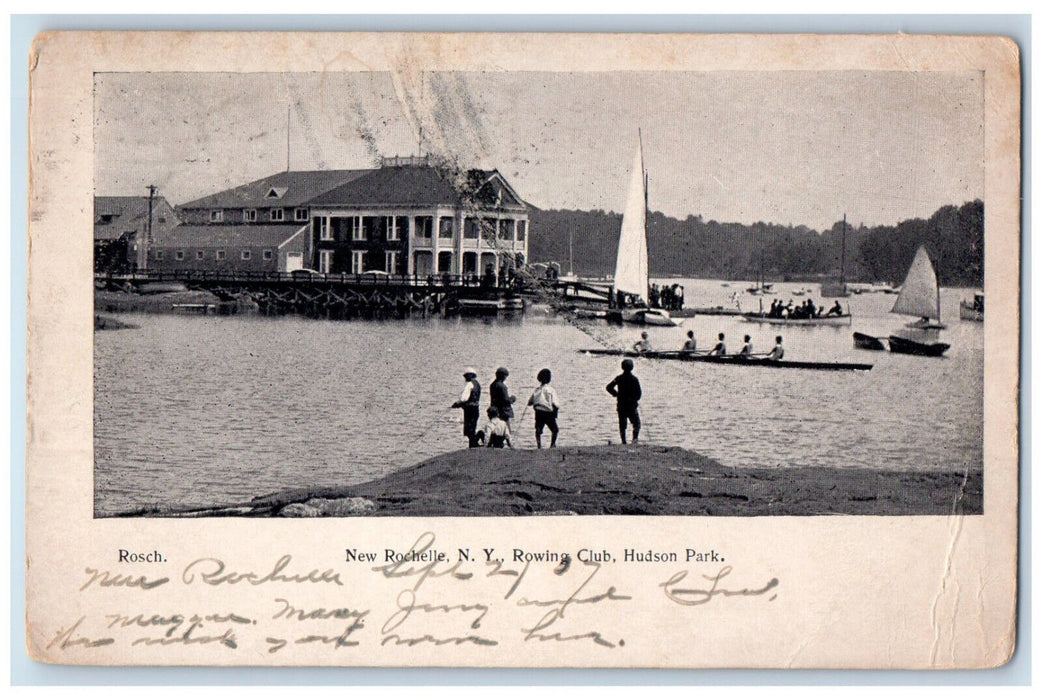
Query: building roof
114, 216
421, 185
244, 236
286, 189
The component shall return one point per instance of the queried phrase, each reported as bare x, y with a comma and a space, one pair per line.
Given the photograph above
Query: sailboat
921, 297
631, 263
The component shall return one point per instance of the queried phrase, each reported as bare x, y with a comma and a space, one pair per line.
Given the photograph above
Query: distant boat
834, 320
921, 297
631, 263
972, 310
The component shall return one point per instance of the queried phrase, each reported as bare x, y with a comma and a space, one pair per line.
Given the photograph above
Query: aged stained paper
743, 569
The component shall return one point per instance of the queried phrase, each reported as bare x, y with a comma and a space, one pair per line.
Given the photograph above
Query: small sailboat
921, 297
631, 263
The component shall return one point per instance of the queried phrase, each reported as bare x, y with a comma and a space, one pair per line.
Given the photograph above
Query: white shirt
465, 396
544, 398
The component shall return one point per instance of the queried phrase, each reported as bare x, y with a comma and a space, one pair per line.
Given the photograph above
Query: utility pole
287, 138
148, 229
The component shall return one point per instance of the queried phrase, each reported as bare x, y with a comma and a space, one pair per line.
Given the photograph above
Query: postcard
523, 350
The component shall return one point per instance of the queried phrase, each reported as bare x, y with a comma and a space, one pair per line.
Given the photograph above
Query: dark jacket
499, 396
626, 389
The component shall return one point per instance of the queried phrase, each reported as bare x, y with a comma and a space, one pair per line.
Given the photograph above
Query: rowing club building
406, 217
409, 217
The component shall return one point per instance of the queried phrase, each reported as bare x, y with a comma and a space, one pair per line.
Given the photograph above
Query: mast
644, 173
571, 272
843, 254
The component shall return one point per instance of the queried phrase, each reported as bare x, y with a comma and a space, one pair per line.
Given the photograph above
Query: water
194, 410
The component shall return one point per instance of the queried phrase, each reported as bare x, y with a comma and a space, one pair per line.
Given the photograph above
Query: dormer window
216, 216
278, 215
105, 219
275, 193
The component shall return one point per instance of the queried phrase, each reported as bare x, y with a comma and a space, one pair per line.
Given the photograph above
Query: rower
690, 347
777, 352
719, 348
644, 344
747, 348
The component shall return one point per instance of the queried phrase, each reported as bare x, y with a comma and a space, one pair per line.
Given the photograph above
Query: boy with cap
469, 402
626, 390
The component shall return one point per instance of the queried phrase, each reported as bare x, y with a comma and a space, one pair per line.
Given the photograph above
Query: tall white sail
919, 292
631, 265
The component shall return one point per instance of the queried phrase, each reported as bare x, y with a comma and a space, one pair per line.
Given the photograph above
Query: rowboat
730, 360
909, 346
868, 342
760, 317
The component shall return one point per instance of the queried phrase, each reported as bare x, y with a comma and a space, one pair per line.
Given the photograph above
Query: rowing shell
732, 360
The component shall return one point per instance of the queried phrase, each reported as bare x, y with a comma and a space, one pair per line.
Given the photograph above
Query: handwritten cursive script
701, 596
212, 572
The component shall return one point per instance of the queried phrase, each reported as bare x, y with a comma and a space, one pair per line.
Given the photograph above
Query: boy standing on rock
545, 405
626, 390
469, 402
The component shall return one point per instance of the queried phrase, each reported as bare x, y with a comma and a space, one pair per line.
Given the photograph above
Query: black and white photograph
500, 293
492, 350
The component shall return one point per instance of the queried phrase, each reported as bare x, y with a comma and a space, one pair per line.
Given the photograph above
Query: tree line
694, 247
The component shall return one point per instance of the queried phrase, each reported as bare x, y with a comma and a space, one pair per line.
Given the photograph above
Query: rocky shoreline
615, 480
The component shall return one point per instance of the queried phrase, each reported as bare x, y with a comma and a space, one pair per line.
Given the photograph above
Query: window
179, 255
216, 215
445, 227
159, 255
471, 227
391, 262
198, 255
506, 229
162, 219
391, 225
300, 214
245, 255
278, 215
423, 225
321, 224
269, 255
522, 227
249, 214
357, 226
357, 261
325, 261
219, 255
105, 219
400, 228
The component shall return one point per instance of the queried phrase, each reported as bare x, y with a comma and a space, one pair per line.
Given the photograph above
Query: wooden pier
341, 295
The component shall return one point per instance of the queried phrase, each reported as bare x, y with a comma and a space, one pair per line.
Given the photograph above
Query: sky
785, 147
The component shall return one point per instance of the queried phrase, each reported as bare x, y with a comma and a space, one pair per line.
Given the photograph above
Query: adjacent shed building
121, 228
260, 248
